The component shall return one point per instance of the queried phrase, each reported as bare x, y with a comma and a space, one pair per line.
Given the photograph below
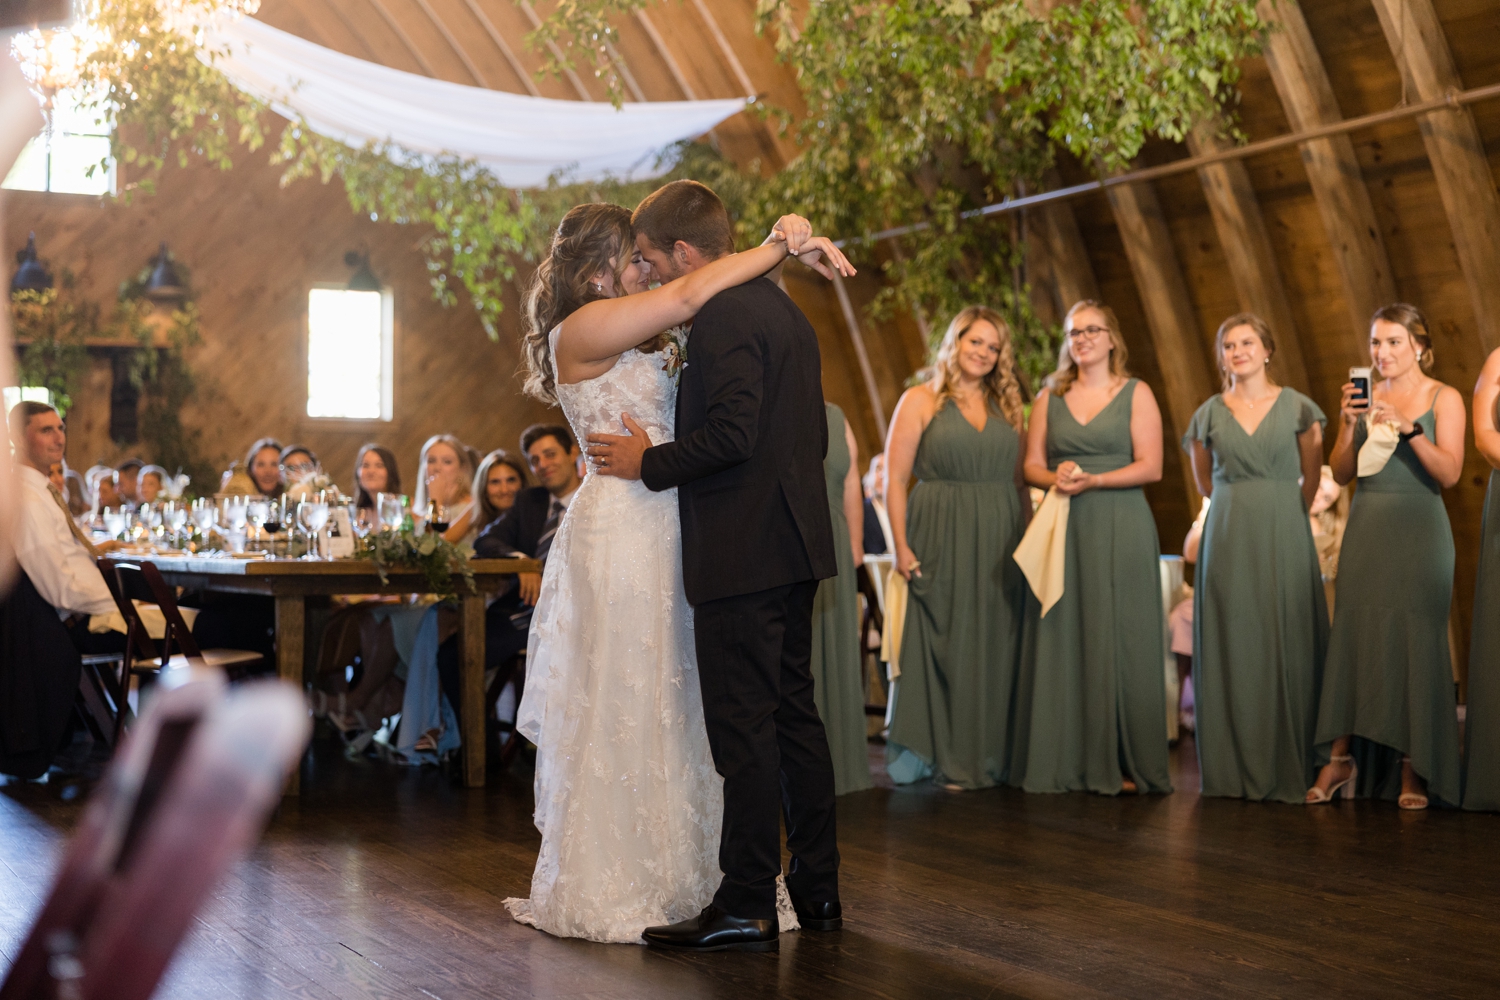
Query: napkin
1380, 444
1042, 553
895, 622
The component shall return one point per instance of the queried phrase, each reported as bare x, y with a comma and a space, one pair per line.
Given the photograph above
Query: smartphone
1361, 379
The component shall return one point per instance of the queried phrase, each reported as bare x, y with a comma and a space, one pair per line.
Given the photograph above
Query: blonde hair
1262, 330
1061, 380
1411, 318
586, 241
1001, 387
465, 467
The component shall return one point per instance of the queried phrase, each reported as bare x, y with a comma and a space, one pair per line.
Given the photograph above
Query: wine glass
258, 512
176, 516
314, 515
391, 509
114, 521
235, 513
438, 517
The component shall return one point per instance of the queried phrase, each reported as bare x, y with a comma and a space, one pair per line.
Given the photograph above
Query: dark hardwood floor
386, 882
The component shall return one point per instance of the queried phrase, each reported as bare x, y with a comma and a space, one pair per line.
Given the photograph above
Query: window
60, 158
26, 393
349, 354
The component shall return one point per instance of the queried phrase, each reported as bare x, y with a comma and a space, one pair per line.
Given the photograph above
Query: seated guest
57, 475
501, 477
80, 498
152, 479
50, 547
127, 480
263, 463
445, 472
375, 472
298, 463
877, 523
525, 530
101, 481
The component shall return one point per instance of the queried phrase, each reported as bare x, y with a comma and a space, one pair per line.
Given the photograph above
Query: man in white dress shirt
50, 547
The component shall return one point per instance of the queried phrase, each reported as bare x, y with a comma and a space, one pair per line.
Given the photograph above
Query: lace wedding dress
627, 799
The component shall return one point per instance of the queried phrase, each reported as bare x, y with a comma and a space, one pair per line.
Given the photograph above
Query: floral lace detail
627, 799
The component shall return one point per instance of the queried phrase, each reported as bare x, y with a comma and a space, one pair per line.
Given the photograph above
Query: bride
627, 799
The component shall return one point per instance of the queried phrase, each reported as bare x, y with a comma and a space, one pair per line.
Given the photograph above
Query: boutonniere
674, 355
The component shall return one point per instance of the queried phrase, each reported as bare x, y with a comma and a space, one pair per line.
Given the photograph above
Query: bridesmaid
1388, 725
959, 432
1260, 623
1482, 728
837, 675
1089, 701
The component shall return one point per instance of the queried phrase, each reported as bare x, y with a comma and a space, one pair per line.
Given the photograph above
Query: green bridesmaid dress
1482, 724
964, 617
1091, 697
1260, 620
1389, 676
837, 682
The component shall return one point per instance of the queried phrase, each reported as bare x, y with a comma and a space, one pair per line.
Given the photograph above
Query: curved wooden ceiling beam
665, 54
1169, 310
1464, 180
1252, 258
1332, 168
458, 50
505, 50
405, 38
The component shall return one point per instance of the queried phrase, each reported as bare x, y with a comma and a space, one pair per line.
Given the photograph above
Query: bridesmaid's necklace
1250, 402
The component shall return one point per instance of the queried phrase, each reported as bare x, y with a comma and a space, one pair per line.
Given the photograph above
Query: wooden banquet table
290, 582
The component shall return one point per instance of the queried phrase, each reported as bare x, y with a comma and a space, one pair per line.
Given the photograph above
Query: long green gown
964, 618
1388, 680
1260, 620
1482, 724
1090, 699
837, 677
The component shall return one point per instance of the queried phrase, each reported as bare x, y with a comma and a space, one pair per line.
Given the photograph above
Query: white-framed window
70, 156
350, 352
26, 393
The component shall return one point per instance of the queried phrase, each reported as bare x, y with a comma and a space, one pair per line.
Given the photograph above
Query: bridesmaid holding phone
1387, 721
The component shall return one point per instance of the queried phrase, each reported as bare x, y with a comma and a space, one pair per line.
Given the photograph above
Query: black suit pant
768, 743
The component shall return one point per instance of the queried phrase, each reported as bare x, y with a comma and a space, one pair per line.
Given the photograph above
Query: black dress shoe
715, 930
819, 916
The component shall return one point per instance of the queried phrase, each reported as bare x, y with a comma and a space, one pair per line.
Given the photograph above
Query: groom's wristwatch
1416, 431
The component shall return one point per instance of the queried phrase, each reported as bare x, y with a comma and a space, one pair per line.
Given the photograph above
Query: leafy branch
438, 560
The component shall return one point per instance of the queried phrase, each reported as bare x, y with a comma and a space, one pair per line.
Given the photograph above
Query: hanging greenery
52, 326
917, 112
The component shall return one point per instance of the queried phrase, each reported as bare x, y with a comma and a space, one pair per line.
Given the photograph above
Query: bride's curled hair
590, 238
1001, 387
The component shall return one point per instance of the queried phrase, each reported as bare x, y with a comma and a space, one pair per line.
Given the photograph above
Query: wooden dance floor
384, 882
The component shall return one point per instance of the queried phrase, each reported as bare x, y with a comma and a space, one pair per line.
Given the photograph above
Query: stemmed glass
175, 514
258, 511
234, 520
114, 521
314, 515
150, 517
391, 509
205, 516
438, 517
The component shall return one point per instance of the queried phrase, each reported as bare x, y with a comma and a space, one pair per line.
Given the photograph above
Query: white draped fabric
522, 140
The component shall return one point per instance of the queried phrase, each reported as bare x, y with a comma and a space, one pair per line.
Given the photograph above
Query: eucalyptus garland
438, 560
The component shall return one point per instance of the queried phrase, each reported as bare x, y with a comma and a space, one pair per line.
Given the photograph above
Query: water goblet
391, 510
314, 515
114, 521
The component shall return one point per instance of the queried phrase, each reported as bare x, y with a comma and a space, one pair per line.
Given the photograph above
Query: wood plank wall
255, 250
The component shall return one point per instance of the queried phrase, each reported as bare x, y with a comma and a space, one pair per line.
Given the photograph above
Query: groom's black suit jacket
751, 435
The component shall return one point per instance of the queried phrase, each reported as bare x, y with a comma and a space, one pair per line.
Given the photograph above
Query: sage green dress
1091, 697
963, 634
1482, 725
1260, 620
837, 678
1389, 675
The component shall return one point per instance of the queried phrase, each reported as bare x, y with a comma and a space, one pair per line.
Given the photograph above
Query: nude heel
1316, 796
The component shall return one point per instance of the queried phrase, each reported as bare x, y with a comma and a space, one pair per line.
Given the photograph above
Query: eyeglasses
297, 468
1087, 332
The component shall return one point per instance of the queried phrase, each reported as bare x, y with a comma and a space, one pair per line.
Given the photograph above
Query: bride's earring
598, 287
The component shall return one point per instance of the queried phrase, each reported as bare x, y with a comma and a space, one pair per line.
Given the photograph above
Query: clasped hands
1071, 480
817, 252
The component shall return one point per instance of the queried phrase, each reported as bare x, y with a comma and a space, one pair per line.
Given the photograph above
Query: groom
751, 435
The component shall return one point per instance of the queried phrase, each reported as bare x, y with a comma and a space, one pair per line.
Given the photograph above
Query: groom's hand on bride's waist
619, 454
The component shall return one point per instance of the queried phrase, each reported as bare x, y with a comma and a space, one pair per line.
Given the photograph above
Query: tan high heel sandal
1411, 800
1316, 796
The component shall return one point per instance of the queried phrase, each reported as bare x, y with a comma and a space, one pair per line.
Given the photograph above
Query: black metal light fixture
165, 284
30, 276
363, 279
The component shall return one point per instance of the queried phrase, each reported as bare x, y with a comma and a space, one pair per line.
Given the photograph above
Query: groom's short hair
686, 211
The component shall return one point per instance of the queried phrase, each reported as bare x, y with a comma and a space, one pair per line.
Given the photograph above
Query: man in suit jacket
751, 435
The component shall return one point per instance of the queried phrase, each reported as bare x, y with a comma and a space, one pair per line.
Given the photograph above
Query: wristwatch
1416, 429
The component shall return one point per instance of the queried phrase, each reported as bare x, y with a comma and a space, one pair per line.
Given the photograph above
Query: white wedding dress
627, 799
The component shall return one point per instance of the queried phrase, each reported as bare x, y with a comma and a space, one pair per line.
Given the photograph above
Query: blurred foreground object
188, 793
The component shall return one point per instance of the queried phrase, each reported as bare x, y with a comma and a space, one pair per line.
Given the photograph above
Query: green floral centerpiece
438, 559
